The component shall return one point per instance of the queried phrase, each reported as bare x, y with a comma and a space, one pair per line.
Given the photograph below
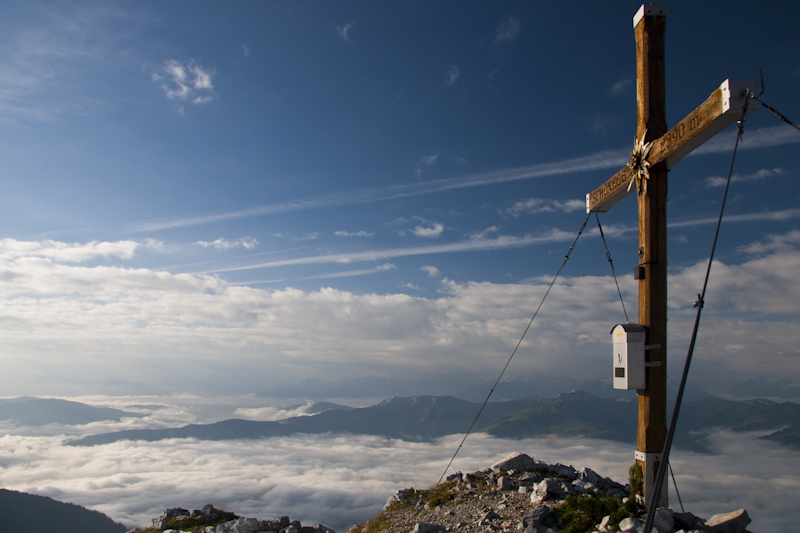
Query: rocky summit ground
518, 494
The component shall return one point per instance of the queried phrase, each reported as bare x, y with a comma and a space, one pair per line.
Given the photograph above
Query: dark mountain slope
29, 513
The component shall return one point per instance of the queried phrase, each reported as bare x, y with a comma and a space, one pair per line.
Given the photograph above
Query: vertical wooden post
649, 26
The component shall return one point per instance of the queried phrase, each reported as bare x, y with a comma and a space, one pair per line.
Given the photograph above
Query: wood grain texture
691, 132
651, 430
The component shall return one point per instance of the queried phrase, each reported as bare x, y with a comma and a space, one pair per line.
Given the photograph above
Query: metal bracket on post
651, 364
649, 459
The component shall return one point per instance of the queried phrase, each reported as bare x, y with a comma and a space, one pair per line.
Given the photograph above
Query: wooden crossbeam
720, 110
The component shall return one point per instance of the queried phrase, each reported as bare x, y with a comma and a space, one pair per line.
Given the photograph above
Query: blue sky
320, 189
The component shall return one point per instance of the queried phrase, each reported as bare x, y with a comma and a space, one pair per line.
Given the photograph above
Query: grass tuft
193, 523
579, 514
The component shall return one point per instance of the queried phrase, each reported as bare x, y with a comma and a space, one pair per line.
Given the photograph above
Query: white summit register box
629, 359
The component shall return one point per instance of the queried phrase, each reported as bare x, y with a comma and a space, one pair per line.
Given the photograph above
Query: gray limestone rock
516, 461
421, 527
565, 489
504, 483
733, 522
688, 521
564, 471
208, 511
169, 514
550, 489
589, 476
398, 496
631, 525
528, 478
605, 524
581, 486
663, 520
319, 528
542, 520
240, 525
451, 477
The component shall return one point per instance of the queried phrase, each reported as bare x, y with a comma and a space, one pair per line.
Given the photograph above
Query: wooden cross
721, 109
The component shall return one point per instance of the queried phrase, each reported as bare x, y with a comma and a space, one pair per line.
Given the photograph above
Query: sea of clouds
339, 480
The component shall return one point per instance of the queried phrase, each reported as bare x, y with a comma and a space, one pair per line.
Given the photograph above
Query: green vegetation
377, 524
193, 523
579, 514
636, 480
434, 497
439, 494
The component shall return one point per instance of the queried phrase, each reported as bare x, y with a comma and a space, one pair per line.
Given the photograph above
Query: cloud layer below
342, 479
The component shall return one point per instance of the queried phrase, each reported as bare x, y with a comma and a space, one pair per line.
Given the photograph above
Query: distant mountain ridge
572, 414
31, 411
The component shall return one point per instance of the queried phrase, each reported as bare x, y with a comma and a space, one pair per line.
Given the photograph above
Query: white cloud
430, 232
185, 81
67, 252
501, 242
342, 31
481, 235
54, 61
451, 75
599, 160
775, 243
427, 161
785, 214
719, 181
361, 233
620, 87
245, 50
272, 413
64, 322
752, 140
431, 270
507, 30
224, 244
153, 244
540, 205
353, 273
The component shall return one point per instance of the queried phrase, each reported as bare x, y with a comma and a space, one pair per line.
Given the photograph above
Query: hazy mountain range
383, 387
577, 413
31, 411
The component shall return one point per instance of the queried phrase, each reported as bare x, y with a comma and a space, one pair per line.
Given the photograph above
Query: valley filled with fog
341, 479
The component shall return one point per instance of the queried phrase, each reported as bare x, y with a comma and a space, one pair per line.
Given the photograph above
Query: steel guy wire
675, 483
775, 112
610, 262
566, 258
662, 467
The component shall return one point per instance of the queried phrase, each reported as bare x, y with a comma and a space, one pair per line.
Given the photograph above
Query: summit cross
722, 108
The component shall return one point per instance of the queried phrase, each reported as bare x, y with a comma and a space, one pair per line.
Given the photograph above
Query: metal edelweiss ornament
639, 163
